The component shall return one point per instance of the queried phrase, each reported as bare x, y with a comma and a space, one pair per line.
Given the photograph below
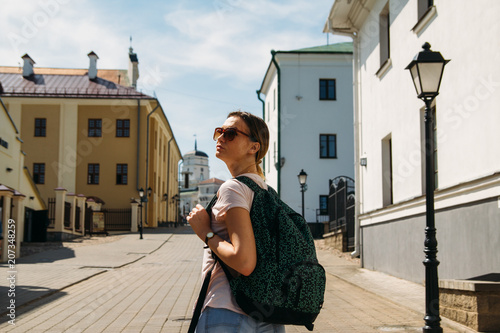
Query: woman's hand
199, 220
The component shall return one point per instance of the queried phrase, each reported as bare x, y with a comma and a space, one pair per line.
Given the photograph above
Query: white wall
304, 119
467, 107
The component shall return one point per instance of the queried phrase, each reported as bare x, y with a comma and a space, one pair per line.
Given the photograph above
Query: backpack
287, 285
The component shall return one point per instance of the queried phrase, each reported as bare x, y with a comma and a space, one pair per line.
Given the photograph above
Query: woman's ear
255, 148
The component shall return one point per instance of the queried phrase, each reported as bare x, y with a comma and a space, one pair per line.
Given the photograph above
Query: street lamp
175, 199
165, 198
141, 195
426, 71
303, 187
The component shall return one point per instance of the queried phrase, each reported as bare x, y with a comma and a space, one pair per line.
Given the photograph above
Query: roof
332, 48
212, 181
338, 48
196, 153
56, 82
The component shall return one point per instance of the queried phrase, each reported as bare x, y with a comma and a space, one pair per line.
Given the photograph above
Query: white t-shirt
231, 194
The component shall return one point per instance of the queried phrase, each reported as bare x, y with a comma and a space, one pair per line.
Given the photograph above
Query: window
328, 146
122, 128
423, 7
121, 174
387, 186
384, 35
93, 174
95, 127
39, 173
4, 143
40, 126
323, 204
327, 89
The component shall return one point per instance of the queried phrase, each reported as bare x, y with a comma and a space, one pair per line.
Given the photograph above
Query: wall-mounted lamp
363, 161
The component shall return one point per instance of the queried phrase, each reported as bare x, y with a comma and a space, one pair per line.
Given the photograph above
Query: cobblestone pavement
150, 285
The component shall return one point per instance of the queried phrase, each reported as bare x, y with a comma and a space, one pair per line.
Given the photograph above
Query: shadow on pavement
47, 256
29, 294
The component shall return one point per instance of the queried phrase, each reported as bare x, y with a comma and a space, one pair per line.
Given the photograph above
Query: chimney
28, 66
133, 68
93, 65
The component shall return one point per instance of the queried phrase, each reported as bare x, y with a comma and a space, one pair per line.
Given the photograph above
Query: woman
242, 142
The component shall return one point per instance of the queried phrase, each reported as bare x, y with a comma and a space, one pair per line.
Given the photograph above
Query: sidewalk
150, 285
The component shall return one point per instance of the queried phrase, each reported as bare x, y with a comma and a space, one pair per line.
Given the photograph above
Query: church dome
196, 152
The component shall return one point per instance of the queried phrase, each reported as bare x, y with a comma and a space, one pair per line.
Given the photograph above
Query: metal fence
341, 202
78, 225
67, 215
52, 212
118, 219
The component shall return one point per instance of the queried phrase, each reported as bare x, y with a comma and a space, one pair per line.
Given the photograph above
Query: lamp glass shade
426, 71
427, 77
302, 177
141, 192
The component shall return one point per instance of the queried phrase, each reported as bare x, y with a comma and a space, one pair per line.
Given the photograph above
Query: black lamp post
426, 71
141, 195
165, 198
146, 200
303, 187
175, 200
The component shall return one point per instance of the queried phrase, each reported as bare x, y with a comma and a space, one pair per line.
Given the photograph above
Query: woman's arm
240, 254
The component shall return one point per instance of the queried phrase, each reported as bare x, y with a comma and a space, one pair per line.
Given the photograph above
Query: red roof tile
54, 85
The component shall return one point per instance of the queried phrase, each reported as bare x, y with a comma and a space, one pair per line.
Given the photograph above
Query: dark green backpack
288, 284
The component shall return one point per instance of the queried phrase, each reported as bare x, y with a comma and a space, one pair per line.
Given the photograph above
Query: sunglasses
229, 133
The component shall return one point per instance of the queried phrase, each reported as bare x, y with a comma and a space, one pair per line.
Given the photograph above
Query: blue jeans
213, 320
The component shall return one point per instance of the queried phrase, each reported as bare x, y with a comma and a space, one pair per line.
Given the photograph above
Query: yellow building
19, 198
91, 133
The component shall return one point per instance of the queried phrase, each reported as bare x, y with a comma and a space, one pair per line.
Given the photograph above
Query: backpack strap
250, 183
206, 282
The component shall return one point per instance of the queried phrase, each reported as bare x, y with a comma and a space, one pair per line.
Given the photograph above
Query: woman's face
240, 147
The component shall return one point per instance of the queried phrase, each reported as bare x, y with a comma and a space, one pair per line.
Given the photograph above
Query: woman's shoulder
256, 178
234, 184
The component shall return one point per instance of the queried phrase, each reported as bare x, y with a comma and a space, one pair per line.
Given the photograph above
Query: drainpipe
147, 157
138, 142
278, 166
264, 118
357, 147
168, 178
8, 114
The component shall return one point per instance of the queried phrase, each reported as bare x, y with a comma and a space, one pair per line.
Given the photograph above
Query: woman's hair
258, 132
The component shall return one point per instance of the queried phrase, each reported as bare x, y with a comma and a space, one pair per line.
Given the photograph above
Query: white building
207, 189
194, 170
196, 186
389, 124
308, 107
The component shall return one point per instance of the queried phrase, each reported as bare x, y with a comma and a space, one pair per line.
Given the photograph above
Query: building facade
307, 105
88, 133
19, 197
389, 134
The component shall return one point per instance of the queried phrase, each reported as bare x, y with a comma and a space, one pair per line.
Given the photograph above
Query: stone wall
336, 240
475, 304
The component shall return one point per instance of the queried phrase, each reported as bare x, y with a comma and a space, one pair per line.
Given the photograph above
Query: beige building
19, 198
90, 133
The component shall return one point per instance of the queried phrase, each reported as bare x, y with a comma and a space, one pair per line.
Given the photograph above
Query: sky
201, 58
